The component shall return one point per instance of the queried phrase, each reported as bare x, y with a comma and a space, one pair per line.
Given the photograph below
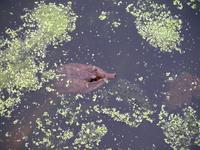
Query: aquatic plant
73, 122
90, 135
110, 20
180, 130
49, 129
53, 21
155, 23
104, 15
23, 51
50, 134
116, 24
82, 119
180, 4
133, 119
53, 132
138, 107
6, 106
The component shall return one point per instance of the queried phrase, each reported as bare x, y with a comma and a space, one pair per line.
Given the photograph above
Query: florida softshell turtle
73, 78
80, 78
182, 89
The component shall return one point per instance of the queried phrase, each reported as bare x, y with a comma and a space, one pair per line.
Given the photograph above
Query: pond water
152, 46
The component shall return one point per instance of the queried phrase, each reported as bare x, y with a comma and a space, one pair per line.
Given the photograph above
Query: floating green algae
48, 129
180, 130
104, 15
53, 132
116, 24
90, 135
133, 119
69, 123
180, 4
110, 19
50, 134
6, 106
22, 53
78, 116
138, 108
54, 21
157, 25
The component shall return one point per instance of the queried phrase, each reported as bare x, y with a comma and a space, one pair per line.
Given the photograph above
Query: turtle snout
110, 75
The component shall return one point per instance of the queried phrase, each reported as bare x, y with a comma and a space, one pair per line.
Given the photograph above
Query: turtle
80, 78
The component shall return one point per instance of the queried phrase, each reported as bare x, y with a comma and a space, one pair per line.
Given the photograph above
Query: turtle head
99, 74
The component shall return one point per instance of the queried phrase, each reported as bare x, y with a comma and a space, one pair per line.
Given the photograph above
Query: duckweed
6, 106
110, 19
104, 15
23, 51
180, 130
116, 24
80, 121
22, 56
49, 130
90, 135
180, 4
155, 23
55, 21
129, 94
133, 120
